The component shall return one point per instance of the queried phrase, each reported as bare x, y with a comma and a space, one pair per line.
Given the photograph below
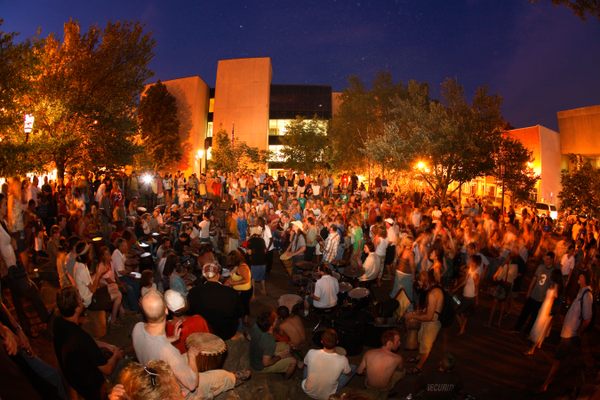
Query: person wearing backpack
429, 318
575, 323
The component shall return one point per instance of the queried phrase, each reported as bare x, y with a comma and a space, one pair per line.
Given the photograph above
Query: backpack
448, 314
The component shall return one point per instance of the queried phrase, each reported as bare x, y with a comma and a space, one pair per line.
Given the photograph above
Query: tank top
235, 277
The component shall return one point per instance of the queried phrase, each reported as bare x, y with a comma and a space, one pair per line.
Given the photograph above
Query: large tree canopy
362, 117
305, 144
85, 94
455, 139
159, 126
581, 190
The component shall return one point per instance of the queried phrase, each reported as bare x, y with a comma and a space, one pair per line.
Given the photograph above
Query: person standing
543, 322
536, 293
258, 259
576, 321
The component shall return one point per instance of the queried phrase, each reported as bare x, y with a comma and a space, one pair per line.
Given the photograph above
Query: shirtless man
429, 318
383, 366
291, 325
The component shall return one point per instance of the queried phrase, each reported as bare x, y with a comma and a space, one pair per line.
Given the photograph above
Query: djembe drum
212, 350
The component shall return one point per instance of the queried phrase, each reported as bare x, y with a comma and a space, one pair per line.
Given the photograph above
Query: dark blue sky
539, 57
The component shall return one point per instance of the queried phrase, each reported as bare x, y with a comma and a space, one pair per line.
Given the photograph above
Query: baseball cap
389, 221
174, 300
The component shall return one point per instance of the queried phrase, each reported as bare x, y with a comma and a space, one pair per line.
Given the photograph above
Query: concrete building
247, 105
580, 135
544, 143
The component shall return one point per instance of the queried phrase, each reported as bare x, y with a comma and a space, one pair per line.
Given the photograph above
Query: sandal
414, 371
242, 376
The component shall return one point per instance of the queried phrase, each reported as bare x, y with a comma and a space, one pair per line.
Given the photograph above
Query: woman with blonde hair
154, 381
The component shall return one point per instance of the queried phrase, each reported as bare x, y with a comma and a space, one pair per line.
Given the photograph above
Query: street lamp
200, 158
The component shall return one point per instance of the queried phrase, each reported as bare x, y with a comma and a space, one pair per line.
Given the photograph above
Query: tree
234, 157
362, 117
513, 171
454, 139
305, 144
581, 8
581, 190
159, 126
17, 65
85, 94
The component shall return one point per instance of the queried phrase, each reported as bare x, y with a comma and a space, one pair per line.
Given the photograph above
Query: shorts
567, 348
427, 334
258, 272
101, 300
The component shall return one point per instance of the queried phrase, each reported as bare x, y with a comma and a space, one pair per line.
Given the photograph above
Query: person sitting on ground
150, 343
383, 366
326, 289
267, 355
80, 357
153, 381
326, 371
188, 324
95, 297
429, 318
220, 305
292, 326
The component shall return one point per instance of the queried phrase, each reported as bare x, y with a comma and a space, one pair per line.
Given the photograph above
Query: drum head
141, 210
285, 256
146, 254
225, 273
206, 342
345, 287
358, 293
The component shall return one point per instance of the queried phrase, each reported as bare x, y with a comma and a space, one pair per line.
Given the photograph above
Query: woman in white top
109, 280
370, 265
470, 287
94, 296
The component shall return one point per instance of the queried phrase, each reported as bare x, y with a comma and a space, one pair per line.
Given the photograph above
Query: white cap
389, 221
174, 300
299, 224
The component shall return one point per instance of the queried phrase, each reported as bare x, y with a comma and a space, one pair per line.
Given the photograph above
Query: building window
209, 129
276, 155
211, 105
278, 127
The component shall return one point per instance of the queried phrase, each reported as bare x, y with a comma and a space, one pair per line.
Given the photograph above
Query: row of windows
277, 127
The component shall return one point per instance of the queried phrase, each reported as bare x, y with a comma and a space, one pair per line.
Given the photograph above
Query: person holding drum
187, 324
151, 343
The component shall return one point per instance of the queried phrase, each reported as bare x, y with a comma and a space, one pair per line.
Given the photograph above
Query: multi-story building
580, 135
247, 105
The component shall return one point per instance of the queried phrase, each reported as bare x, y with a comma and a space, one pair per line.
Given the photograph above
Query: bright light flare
147, 179
421, 166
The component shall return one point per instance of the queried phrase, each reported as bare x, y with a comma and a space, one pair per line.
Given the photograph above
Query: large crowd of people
188, 254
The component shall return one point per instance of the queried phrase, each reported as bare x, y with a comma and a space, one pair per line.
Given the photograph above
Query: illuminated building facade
245, 104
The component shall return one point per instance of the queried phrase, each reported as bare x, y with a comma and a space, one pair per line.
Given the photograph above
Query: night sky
541, 58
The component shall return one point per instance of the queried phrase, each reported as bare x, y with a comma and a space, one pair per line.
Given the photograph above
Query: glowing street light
421, 166
200, 154
147, 179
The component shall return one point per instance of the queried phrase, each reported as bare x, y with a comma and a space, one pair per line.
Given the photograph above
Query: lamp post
200, 158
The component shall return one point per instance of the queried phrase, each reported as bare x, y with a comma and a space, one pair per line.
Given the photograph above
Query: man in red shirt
182, 326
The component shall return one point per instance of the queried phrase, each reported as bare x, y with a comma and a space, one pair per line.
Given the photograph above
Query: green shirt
261, 344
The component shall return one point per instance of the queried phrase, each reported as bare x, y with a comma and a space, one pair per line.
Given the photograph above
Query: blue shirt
242, 226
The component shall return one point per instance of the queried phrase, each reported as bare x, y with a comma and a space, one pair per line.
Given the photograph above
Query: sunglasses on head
153, 375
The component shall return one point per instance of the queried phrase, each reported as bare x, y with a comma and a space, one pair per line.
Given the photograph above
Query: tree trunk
60, 171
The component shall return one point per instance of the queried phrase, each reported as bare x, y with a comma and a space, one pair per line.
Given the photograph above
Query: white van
546, 209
